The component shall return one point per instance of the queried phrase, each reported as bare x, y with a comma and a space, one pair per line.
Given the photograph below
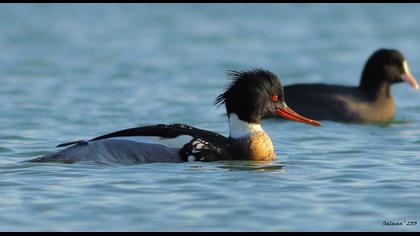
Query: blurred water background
76, 71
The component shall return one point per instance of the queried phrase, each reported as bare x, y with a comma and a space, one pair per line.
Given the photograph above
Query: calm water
70, 72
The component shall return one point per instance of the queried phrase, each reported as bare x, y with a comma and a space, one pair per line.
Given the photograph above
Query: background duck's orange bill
410, 80
291, 115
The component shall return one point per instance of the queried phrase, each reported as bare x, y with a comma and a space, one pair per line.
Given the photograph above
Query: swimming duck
251, 95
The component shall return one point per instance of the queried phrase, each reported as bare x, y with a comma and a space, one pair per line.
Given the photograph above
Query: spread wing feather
164, 131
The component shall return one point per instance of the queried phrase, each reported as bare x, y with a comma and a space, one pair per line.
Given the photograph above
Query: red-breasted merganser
252, 95
370, 102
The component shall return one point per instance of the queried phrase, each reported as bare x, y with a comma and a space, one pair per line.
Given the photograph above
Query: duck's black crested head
252, 94
385, 67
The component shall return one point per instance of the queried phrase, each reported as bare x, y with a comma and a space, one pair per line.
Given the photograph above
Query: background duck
370, 102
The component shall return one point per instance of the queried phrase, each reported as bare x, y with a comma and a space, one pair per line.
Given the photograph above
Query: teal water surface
76, 71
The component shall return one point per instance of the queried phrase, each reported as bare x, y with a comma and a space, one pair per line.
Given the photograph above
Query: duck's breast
257, 146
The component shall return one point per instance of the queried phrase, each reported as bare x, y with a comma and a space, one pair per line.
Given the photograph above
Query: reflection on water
258, 166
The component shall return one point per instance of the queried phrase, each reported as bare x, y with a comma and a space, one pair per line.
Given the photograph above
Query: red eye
275, 98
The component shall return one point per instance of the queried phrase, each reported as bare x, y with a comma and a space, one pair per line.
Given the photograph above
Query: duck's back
336, 103
114, 150
156, 143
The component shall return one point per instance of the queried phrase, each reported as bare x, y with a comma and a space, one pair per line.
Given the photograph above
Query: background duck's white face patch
405, 67
239, 128
408, 77
177, 142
